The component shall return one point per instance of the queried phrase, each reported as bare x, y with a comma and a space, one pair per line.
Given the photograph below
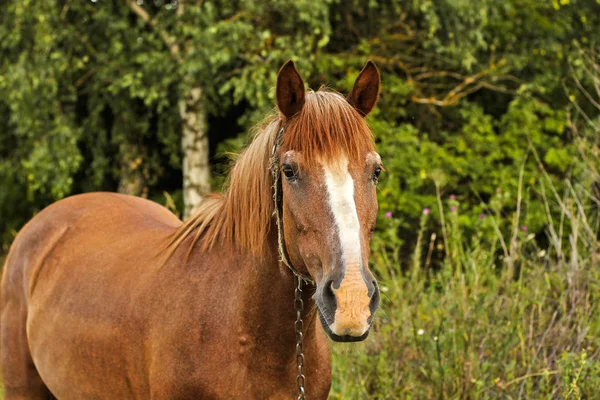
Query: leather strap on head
278, 200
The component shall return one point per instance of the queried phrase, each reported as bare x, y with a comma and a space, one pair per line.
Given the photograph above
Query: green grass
500, 317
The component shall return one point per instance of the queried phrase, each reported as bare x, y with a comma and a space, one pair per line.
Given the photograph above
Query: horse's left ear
365, 92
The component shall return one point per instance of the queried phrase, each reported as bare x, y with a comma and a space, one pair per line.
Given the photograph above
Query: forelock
328, 127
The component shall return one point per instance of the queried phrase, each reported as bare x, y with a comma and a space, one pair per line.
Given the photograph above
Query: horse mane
242, 216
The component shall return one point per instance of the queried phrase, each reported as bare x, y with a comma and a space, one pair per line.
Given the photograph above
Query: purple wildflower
388, 214
524, 228
426, 211
482, 216
453, 208
452, 197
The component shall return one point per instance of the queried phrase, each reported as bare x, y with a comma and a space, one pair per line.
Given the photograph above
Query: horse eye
288, 171
376, 174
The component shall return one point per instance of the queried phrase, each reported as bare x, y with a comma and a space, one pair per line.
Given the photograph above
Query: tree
102, 95
124, 91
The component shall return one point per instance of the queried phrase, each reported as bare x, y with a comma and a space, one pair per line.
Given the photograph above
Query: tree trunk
194, 142
133, 168
132, 177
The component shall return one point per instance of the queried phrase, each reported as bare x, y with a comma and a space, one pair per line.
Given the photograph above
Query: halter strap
278, 199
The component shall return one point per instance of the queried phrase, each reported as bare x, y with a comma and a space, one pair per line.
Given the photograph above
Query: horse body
112, 296
100, 305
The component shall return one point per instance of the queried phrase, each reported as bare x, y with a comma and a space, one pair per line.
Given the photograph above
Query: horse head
329, 171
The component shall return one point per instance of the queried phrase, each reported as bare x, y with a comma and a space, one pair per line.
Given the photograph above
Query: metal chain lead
299, 327
298, 303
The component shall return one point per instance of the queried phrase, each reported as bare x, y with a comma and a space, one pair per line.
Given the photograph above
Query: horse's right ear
290, 90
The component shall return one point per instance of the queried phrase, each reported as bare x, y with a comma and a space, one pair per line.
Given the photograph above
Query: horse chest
242, 369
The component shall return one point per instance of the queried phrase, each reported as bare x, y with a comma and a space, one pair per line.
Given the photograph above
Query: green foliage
39, 139
90, 91
101, 83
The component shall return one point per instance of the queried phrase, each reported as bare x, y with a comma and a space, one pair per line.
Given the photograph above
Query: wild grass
505, 317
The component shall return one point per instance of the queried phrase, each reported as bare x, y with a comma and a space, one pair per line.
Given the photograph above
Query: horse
105, 295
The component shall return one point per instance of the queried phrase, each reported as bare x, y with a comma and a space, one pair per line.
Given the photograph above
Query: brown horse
107, 296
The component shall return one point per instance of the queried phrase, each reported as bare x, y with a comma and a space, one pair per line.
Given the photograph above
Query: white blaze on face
352, 295
340, 190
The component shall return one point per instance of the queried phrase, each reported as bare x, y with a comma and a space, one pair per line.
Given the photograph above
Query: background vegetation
489, 127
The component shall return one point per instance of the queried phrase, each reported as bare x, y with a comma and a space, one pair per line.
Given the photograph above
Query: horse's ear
290, 90
365, 92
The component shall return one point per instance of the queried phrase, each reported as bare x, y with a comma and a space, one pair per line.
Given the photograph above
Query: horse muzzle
346, 309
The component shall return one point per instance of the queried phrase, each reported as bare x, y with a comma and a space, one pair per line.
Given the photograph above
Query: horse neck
266, 308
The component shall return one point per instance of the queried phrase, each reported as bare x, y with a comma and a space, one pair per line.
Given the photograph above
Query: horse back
60, 271
84, 225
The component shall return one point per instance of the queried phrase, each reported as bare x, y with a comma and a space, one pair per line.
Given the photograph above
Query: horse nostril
329, 289
328, 295
372, 288
375, 298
